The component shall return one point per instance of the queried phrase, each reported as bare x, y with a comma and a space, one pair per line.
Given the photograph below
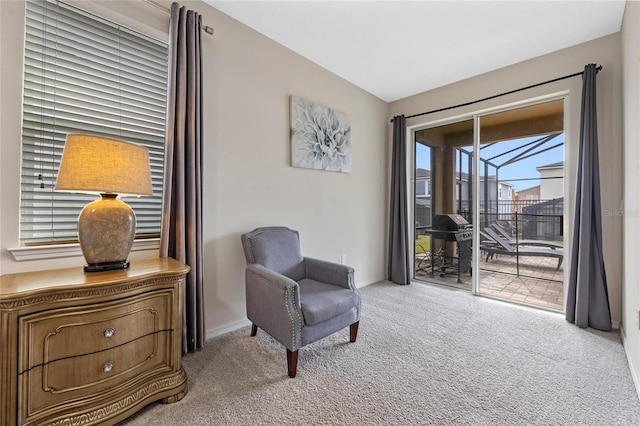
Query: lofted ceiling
395, 49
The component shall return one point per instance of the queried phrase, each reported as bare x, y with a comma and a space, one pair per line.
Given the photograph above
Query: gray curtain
587, 298
181, 235
399, 263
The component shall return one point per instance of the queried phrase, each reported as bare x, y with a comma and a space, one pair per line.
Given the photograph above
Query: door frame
476, 115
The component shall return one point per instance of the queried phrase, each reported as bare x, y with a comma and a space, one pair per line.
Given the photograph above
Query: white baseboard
634, 374
369, 282
219, 331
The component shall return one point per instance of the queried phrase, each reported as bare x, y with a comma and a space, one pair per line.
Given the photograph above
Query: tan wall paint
604, 51
631, 212
247, 178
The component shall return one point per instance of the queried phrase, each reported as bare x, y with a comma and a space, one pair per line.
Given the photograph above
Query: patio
539, 283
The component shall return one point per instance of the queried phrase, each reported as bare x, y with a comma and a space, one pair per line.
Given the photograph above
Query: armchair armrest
330, 273
273, 304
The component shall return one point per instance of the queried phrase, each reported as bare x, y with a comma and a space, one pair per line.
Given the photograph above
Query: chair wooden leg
292, 362
254, 329
353, 331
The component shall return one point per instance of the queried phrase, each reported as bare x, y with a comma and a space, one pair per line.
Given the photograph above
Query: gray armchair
296, 299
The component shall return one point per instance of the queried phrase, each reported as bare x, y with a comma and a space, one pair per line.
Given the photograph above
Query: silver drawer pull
109, 332
108, 366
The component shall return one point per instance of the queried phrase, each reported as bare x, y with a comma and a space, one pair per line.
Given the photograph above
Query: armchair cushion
321, 302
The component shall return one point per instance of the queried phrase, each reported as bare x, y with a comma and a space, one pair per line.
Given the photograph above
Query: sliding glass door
442, 189
514, 205
522, 214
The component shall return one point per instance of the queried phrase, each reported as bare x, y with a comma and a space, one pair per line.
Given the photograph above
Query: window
423, 188
83, 74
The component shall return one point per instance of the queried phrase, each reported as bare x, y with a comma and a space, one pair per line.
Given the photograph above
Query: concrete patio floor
538, 283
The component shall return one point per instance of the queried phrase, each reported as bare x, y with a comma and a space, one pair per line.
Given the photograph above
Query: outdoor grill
451, 227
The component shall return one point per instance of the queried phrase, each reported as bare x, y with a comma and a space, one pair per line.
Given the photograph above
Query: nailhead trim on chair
289, 296
296, 344
253, 258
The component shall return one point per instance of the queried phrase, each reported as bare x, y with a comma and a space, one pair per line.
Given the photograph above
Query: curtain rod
207, 29
500, 94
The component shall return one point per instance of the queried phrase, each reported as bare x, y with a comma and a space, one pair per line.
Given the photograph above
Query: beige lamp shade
97, 165
106, 227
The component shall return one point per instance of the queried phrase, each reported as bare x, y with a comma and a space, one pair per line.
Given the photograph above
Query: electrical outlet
343, 259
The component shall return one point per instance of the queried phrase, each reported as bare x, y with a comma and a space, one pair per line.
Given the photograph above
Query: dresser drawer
72, 332
49, 386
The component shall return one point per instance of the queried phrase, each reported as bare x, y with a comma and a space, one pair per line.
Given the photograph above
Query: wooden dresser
82, 348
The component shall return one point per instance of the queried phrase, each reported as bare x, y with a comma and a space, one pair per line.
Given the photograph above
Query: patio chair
487, 240
500, 232
500, 246
505, 230
490, 242
423, 259
428, 262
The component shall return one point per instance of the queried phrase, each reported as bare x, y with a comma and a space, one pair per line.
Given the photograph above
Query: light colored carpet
425, 355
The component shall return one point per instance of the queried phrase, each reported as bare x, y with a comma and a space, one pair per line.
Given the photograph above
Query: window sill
56, 251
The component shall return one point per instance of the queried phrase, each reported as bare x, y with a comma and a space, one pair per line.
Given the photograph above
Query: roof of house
531, 188
421, 173
557, 165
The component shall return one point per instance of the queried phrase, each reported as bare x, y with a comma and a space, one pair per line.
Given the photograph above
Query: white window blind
83, 74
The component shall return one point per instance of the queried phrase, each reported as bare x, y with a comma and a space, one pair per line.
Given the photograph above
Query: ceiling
395, 49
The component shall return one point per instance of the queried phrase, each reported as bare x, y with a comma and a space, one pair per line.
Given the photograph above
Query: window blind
84, 74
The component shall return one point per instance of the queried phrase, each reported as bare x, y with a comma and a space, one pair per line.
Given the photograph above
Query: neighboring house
423, 197
529, 194
423, 183
551, 181
551, 185
549, 203
505, 191
500, 196
505, 200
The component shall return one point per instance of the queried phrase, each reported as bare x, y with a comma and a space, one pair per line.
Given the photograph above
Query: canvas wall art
320, 137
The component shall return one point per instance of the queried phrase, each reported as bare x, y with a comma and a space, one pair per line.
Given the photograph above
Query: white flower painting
320, 137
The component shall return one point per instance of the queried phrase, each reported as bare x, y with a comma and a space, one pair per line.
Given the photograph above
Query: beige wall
247, 178
631, 212
604, 51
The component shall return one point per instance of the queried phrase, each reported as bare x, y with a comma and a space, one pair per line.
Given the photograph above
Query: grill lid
449, 222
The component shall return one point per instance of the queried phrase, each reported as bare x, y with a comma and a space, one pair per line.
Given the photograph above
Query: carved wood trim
88, 292
123, 404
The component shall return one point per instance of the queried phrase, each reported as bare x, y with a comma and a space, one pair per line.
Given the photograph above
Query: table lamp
107, 226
